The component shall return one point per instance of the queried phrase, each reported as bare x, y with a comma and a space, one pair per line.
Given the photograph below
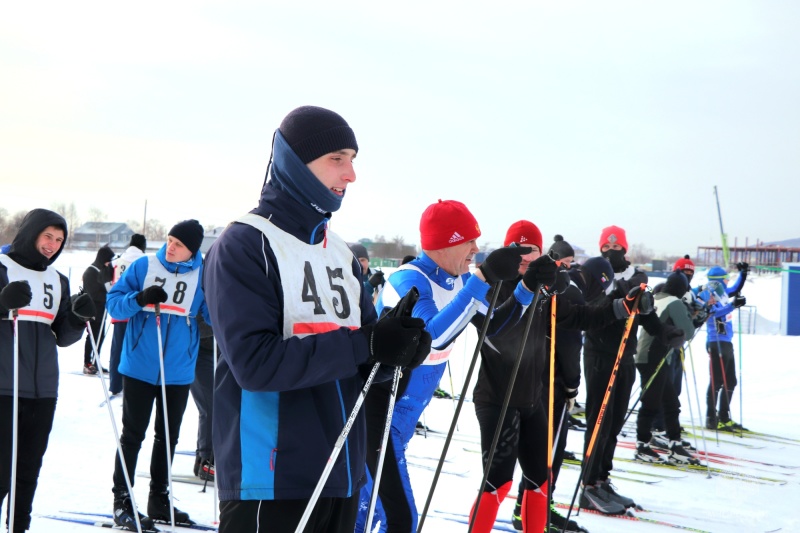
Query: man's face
456, 259
527, 259
364, 264
608, 246
50, 241
335, 170
177, 252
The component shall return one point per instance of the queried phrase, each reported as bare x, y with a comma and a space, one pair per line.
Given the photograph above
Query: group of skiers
302, 346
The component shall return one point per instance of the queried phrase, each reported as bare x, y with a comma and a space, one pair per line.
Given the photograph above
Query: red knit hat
613, 235
683, 263
524, 233
447, 223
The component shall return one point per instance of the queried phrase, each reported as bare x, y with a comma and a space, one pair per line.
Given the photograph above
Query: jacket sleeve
681, 318
121, 301
67, 330
245, 303
738, 286
92, 284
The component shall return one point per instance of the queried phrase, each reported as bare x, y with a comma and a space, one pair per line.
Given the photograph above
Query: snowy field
761, 478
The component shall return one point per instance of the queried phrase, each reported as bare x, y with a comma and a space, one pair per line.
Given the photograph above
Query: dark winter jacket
499, 352
38, 342
670, 310
97, 276
281, 403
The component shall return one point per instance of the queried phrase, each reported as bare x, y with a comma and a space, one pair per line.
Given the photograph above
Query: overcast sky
574, 115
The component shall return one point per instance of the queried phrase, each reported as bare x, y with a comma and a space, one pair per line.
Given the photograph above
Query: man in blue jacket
298, 334
719, 345
170, 279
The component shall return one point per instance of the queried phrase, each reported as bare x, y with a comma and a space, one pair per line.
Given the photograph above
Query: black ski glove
623, 307
398, 341
742, 267
151, 295
377, 279
672, 336
83, 307
503, 263
543, 271
16, 295
561, 284
739, 301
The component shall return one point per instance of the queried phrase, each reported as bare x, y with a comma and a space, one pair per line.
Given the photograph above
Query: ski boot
124, 517
646, 454
679, 456
158, 510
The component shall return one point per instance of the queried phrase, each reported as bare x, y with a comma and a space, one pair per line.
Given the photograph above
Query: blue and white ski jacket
283, 394
179, 332
719, 325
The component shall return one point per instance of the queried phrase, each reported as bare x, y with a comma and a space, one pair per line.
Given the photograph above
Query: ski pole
122, 461
166, 416
452, 389
697, 399
509, 389
712, 392
741, 376
688, 397
13, 315
216, 495
373, 501
587, 456
481, 336
550, 405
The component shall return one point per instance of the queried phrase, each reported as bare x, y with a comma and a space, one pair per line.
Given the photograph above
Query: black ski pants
658, 397
117, 339
723, 376
598, 369
202, 389
330, 515
137, 405
35, 421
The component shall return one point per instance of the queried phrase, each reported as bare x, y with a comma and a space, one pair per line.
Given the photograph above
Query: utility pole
144, 220
726, 253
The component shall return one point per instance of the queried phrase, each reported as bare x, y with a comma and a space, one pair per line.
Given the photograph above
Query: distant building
93, 235
209, 238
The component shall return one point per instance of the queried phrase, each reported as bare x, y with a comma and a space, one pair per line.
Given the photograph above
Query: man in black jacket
96, 281
46, 318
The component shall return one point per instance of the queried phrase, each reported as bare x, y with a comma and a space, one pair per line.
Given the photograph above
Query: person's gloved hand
623, 307
503, 264
377, 279
672, 336
16, 295
398, 341
543, 271
570, 395
742, 267
739, 301
83, 307
151, 295
561, 284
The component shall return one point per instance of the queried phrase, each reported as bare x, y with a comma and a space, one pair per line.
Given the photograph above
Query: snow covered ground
79, 462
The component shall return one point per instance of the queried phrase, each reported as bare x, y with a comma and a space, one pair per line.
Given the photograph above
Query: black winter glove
672, 336
83, 307
151, 295
623, 307
739, 301
398, 341
742, 267
16, 295
561, 284
377, 279
503, 263
542, 272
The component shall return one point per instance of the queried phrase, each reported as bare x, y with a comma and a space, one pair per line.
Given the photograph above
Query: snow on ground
79, 462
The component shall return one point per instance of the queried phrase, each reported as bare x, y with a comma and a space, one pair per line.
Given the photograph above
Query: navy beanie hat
677, 284
190, 233
600, 270
312, 132
359, 251
138, 240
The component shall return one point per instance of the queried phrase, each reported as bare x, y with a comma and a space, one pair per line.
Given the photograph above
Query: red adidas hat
447, 223
524, 233
683, 263
613, 235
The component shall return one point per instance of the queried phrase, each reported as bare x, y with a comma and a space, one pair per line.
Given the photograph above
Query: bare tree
9, 224
639, 254
97, 215
156, 230
70, 214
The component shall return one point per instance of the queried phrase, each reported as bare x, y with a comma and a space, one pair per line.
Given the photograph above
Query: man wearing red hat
449, 298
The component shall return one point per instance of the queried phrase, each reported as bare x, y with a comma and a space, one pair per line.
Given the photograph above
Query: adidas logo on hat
455, 238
